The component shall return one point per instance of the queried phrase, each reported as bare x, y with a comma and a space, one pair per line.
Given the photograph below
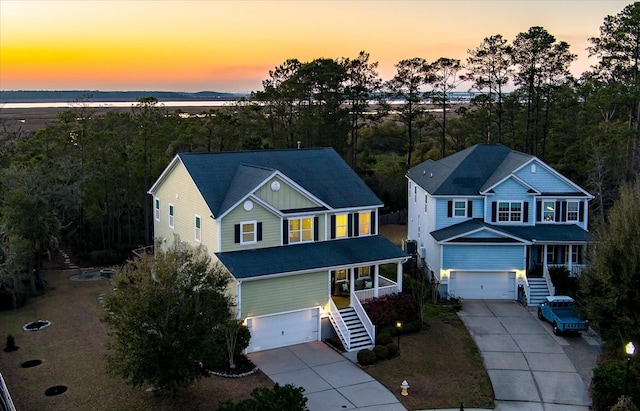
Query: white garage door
483, 285
280, 330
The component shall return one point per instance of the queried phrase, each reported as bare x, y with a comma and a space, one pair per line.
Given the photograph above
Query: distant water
107, 104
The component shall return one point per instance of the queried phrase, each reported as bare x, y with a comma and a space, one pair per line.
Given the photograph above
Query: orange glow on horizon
231, 46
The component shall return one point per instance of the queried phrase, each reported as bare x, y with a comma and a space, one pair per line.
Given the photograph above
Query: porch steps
359, 337
539, 291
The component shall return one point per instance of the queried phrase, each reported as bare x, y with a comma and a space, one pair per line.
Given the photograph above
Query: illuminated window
548, 211
248, 233
341, 275
364, 272
364, 221
341, 225
301, 230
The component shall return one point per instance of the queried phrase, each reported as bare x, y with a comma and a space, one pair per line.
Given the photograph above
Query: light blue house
489, 222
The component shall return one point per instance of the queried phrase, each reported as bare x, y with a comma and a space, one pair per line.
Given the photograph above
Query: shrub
287, 397
608, 384
386, 310
381, 352
11, 344
366, 357
384, 339
392, 348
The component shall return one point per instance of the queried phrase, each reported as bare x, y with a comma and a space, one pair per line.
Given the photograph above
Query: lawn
72, 352
442, 366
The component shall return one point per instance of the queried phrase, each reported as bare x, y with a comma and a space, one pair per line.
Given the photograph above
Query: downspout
239, 299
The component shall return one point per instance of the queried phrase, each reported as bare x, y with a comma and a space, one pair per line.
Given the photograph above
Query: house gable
546, 180
283, 196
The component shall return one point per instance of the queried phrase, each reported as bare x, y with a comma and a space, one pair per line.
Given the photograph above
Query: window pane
365, 223
548, 210
294, 224
307, 223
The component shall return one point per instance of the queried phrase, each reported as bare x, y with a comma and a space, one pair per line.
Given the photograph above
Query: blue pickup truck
559, 310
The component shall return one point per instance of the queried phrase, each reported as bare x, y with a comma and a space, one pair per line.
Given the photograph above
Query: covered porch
541, 258
349, 288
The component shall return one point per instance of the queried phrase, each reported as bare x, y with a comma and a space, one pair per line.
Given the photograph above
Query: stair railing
547, 278
364, 318
341, 327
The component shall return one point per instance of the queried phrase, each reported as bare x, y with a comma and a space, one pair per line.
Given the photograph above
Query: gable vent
533, 168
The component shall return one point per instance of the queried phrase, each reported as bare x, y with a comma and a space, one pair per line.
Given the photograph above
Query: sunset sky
230, 46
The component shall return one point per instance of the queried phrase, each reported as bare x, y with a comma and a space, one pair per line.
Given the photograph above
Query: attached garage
280, 330
492, 285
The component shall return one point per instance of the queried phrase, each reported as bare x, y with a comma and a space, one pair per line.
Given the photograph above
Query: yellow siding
271, 227
178, 189
281, 294
287, 198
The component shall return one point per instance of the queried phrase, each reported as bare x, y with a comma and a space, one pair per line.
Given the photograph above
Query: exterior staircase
359, 337
538, 290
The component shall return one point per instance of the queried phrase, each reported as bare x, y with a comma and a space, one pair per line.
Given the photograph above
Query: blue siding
511, 190
483, 257
543, 180
483, 234
443, 220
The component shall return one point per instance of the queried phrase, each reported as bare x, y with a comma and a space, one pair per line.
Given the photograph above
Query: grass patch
442, 366
394, 233
72, 351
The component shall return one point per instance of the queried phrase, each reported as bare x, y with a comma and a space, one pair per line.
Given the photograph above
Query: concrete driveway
331, 381
529, 367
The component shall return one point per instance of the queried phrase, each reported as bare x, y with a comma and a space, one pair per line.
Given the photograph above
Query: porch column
545, 267
376, 273
352, 284
399, 277
570, 260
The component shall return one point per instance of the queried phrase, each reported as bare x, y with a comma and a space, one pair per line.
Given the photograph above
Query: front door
340, 288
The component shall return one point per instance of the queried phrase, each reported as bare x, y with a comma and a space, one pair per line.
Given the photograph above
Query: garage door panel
483, 285
283, 329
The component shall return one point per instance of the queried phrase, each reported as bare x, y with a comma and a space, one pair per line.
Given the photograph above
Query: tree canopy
165, 317
610, 289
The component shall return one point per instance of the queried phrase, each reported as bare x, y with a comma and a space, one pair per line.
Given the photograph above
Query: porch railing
364, 318
547, 278
385, 287
340, 325
575, 271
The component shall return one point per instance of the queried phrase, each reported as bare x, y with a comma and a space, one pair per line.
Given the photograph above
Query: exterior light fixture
404, 386
399, 327
630, 349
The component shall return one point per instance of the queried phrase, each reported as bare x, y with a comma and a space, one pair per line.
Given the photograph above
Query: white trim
499, 233
566, 217
368, 214
554, 172
255, 232
453, 207
300, 218
517, 180
322, 269
165, 174
509, 212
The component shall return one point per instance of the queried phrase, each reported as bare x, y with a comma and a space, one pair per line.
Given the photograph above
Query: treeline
82, 181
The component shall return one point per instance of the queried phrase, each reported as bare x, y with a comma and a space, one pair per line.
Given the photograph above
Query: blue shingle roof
224, 178
309, 256
469, 171
539, 233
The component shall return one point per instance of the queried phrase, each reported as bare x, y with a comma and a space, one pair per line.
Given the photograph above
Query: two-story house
296, 229
489, 222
